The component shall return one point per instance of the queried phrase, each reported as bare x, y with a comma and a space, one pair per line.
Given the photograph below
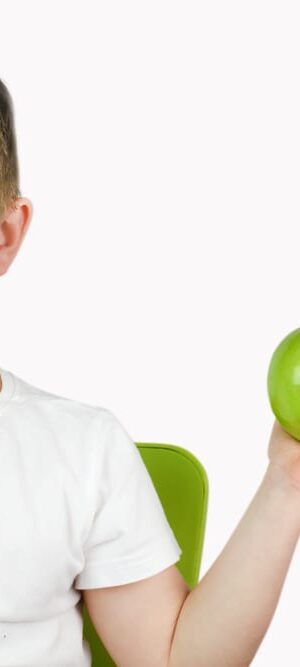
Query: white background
159, 145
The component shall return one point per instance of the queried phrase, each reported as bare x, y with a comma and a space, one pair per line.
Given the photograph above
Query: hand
284, 451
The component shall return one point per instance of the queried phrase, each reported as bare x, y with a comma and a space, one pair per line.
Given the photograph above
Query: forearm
225, 617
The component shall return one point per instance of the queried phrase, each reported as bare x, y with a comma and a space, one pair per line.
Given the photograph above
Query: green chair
182, 485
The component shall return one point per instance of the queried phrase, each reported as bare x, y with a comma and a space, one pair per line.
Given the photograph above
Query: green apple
284, 383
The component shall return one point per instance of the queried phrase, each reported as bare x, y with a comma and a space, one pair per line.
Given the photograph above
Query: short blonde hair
9, 168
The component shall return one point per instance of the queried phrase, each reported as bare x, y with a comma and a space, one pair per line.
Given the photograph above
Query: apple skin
283, 383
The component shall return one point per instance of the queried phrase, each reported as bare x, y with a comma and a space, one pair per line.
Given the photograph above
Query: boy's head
15, 210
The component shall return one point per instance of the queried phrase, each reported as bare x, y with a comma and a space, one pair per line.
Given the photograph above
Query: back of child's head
9, 168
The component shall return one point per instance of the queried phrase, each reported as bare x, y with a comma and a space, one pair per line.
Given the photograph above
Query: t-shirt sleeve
130, 537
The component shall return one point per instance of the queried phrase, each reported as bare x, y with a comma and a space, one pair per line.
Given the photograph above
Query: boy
78, 512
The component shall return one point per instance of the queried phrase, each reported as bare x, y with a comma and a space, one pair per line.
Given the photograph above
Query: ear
13, 227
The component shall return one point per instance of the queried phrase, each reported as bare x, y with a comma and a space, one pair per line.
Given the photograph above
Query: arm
225, 617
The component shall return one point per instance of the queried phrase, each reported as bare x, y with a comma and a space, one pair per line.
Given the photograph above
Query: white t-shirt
78, 510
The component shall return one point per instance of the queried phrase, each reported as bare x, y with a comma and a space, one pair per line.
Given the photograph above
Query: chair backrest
182, 485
